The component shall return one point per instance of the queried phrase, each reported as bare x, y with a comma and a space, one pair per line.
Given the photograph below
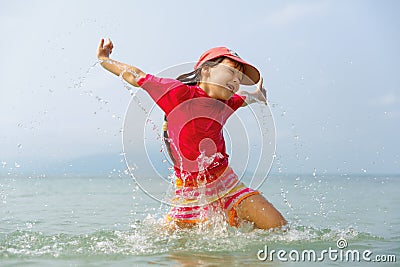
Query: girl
196, 106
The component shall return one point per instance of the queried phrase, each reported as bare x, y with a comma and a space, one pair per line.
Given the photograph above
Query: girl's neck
205, 87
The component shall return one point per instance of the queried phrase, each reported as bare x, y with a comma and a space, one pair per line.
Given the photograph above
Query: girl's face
222, 80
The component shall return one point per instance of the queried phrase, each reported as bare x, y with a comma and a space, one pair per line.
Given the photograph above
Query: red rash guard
195, 124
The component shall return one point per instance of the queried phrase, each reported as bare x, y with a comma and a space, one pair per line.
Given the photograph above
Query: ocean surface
103, 221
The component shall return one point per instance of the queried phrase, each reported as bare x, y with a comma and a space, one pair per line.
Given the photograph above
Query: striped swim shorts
196, 204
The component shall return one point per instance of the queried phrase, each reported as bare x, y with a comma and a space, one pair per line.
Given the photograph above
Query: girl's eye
233, 72
239, 75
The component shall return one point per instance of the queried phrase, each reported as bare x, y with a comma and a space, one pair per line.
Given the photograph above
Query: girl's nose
236, 79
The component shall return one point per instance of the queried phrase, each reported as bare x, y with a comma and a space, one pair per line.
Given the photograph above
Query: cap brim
251, 74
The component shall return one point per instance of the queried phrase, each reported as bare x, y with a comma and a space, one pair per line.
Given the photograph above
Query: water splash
3, 194
151, 238
80, 81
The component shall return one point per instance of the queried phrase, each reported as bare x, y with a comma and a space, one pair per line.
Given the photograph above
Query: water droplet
17, 165
19, 145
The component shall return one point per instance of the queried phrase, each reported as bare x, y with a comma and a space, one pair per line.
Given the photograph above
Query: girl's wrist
102, 58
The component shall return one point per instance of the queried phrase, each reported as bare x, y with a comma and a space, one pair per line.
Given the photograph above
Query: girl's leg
258, 210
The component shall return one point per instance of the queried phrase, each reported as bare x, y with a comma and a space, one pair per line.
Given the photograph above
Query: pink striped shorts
196, 204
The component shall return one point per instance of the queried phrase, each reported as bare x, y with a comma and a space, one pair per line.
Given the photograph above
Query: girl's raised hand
104, 50
259, 95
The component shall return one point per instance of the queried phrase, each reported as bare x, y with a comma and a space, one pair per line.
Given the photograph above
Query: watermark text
340, 253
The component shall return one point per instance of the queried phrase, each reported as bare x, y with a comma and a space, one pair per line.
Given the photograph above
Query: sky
331, 69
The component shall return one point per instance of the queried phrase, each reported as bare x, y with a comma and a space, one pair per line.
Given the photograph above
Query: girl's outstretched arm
129, 73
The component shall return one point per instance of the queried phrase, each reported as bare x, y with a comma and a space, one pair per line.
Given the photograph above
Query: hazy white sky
331, 69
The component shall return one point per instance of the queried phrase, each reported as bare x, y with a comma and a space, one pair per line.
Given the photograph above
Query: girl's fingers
260, 83
105, 47
109, 43
101, 44
261, 88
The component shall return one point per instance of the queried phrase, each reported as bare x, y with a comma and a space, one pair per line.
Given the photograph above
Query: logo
233, 53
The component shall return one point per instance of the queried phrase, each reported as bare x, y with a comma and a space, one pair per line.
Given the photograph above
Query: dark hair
191, 78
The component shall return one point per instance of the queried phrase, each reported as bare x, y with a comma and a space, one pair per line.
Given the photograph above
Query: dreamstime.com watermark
331, 254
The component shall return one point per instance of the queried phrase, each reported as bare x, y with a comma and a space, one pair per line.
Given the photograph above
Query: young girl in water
196, 106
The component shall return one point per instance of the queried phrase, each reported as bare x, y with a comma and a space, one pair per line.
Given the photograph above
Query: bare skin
258, 210
219, 82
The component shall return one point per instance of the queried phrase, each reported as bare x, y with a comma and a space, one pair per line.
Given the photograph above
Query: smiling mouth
230, 88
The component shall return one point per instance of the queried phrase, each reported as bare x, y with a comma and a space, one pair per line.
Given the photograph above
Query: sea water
103, 221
